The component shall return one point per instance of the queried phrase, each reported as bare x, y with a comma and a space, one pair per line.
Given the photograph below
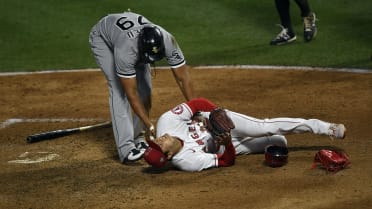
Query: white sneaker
337, 131
283, 37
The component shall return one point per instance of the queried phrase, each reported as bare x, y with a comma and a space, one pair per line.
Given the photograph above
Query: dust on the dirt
87, 172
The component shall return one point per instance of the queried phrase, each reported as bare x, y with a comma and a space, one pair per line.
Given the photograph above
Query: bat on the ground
64, 132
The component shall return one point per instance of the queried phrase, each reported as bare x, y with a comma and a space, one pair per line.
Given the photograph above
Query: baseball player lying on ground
192, 140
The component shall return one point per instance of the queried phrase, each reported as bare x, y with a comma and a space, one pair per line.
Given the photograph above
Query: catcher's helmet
276, 156
151, 44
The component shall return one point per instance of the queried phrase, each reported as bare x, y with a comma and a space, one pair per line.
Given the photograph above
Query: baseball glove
220, 123
331, 160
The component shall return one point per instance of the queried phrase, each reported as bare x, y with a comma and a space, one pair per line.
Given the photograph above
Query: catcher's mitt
331, 160
220, 123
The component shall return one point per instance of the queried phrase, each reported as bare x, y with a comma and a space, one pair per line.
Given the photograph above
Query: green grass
53, 34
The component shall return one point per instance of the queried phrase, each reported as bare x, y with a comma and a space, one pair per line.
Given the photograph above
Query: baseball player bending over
124, 45
186, 138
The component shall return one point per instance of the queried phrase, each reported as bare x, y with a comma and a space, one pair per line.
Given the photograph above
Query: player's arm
192, 161
228, 157
130, 88
178, 65
201, 104
183, 79
197, 161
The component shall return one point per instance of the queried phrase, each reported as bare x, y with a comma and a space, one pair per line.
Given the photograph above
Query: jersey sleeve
186, 110
125, 60
200, 104
173, 52
173, 120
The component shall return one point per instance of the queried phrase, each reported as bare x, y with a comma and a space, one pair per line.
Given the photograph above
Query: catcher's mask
154, 155
151, 44
276, 156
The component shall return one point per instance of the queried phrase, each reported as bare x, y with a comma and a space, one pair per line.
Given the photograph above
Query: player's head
151, 44
160, 150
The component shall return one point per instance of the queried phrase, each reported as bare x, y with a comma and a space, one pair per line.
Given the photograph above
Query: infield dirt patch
85, 171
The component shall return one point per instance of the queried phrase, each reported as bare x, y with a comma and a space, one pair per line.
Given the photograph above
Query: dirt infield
83, 171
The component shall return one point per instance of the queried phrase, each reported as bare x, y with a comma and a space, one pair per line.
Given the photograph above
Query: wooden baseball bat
64, 132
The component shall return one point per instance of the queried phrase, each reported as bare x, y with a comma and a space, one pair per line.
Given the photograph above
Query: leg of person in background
309, 19
287, 34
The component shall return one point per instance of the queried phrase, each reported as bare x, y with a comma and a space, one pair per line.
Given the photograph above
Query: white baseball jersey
192, 157
250, 135
120, 32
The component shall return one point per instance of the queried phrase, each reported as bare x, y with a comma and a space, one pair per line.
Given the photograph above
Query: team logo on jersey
176, 55
178, 110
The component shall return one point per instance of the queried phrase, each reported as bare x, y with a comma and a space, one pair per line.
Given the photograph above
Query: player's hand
151, 133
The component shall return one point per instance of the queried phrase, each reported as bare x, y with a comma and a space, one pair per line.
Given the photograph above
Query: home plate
34, 157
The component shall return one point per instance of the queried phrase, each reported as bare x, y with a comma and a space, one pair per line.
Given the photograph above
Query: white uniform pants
252, 135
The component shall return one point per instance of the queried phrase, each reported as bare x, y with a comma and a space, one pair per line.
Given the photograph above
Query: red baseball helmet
276, 156
154, 155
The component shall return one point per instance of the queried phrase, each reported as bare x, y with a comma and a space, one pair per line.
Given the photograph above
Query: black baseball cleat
310, 29
142, 146
284, 37
141, 142
134, 155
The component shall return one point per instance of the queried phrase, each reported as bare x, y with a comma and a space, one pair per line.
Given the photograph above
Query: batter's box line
12, 121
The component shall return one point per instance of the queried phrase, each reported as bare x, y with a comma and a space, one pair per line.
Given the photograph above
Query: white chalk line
47, 72
36, 157
243, 67
12, 121
295, 68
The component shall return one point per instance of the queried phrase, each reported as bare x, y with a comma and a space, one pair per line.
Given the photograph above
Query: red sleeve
201, 104
228, 157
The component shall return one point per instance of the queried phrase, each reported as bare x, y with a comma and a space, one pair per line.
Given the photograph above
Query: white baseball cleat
337, 131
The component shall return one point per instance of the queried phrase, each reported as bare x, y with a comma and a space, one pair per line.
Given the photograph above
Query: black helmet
151, 44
